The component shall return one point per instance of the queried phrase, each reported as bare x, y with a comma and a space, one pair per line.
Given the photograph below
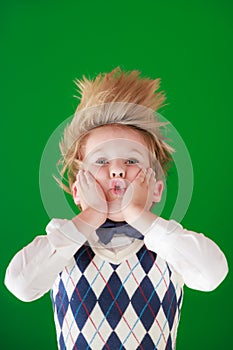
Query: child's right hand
91, 193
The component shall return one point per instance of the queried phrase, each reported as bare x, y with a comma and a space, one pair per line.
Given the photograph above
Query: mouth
118, 190
117, 187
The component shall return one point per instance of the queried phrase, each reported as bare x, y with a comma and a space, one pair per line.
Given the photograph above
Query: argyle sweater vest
133, 305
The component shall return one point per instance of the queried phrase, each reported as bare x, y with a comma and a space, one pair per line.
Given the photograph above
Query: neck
114, 210
116, 217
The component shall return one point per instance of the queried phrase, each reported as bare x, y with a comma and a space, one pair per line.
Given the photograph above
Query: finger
152, 181
140, 176
76, 182
82, 178
89, 178
153, 177
149, 174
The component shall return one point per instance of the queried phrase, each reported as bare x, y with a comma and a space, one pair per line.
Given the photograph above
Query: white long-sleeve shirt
197, 259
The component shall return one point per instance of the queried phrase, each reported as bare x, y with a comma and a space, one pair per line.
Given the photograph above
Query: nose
117, 169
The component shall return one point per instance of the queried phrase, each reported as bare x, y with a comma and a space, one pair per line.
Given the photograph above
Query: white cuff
68, 230
156, 237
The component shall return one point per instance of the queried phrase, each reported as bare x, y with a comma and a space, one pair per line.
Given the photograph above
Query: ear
75, 194
158, 191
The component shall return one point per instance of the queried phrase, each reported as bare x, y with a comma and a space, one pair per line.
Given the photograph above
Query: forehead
114, 137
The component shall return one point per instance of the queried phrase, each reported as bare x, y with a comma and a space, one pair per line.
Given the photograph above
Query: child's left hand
139, 195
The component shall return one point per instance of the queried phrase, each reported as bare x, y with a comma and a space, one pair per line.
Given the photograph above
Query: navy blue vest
133, 305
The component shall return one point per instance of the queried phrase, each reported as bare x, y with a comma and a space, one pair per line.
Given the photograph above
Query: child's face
114, 156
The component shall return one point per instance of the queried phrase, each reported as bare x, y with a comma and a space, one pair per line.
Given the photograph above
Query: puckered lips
118, 187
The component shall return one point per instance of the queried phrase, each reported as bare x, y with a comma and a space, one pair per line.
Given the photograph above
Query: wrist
88, 221
139, 218
132, 212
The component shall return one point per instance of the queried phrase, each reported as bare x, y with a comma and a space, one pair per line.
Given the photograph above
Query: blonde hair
120, 98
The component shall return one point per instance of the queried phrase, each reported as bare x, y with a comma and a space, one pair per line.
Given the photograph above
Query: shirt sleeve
33, 270
195, 257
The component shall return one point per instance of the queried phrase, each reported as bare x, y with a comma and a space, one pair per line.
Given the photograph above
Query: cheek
132, 172
98, 172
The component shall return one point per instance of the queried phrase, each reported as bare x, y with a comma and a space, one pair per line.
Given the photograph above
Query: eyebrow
103, 152
136, 151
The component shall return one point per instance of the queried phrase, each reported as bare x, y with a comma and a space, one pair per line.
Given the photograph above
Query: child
116, 270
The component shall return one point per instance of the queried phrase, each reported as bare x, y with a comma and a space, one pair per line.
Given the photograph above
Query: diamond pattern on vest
134, 305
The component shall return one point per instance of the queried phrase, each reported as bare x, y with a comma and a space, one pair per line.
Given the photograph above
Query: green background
44, 47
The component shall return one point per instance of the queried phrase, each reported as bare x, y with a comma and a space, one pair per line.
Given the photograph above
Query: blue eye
132, 161
101, 161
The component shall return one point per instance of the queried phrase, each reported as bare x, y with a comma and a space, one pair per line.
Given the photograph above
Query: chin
114, 210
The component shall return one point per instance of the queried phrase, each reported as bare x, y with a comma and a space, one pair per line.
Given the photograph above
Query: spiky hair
118, 97
120, 86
